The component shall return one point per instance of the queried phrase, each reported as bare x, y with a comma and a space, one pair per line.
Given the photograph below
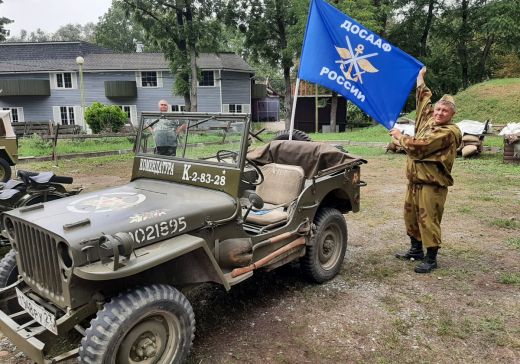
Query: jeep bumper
19, 333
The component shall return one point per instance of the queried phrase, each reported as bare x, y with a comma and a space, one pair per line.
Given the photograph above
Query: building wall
235, 89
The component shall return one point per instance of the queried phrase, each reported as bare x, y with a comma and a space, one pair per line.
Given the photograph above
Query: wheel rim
154, 339
330, 247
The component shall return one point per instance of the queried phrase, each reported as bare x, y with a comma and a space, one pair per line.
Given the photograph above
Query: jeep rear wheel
323, 259
5, 170
152, 324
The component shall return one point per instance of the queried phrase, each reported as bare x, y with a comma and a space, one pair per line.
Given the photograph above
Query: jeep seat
282, 185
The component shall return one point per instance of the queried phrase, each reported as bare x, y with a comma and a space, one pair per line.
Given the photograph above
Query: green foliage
514, 242
69, 32
510, 278
505, 223
35, 146
105, 118
3, 21
179, 29
115, 30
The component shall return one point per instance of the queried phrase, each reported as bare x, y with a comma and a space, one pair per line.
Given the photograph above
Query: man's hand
420, 76
395, 133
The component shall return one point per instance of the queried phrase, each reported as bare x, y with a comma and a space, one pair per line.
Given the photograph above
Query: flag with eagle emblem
342, 55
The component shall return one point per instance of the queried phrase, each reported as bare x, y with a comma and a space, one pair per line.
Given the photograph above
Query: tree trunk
193, 61
183, 48
333, 111
483, 58
463, 48
288, 96
426, 30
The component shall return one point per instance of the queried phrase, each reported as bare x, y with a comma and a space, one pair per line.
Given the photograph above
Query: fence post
54, 143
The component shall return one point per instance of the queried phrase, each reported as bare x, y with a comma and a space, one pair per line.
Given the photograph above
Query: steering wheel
223, 154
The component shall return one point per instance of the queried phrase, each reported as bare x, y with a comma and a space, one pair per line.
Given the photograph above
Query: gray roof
61, 56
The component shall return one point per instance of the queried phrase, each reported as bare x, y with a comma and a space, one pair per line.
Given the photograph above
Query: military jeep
111, 264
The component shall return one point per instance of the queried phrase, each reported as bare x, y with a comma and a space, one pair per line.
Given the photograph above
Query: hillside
498, 100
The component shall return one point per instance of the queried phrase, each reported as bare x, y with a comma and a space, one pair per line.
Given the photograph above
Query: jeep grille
38, 258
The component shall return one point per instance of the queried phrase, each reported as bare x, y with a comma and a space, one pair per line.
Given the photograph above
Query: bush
105, 118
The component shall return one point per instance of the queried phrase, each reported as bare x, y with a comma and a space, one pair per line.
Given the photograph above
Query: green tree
3, 21
179, 28
115, 30
105, 118
267, 26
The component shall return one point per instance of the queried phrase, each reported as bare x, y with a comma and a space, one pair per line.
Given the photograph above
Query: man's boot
429, 263
415, 252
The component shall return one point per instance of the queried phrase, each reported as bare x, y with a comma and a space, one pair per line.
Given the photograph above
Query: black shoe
415, 252
429, 263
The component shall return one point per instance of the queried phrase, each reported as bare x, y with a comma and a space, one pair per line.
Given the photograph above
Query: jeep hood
149, 210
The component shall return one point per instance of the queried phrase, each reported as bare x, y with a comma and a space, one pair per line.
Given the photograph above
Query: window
178, 108
67, 115
207, 78
235, 108
16, 114
131, 113
149, 79
64, 80
126, 110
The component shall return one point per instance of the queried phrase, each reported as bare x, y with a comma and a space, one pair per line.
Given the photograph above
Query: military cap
448, 98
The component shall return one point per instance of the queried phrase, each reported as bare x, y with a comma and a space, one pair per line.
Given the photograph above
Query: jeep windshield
203, 137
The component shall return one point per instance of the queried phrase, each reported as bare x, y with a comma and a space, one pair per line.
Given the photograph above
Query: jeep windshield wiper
201, 122
151, 124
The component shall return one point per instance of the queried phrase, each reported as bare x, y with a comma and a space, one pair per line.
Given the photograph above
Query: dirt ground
377, 310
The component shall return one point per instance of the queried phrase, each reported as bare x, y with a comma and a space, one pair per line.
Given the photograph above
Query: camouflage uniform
431, 154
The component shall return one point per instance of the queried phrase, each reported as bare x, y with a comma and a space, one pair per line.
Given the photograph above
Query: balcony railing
25, 88
120, 89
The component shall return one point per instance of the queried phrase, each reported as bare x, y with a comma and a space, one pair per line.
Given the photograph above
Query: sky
49, 15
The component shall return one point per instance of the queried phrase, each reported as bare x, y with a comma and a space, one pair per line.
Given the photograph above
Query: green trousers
423, 209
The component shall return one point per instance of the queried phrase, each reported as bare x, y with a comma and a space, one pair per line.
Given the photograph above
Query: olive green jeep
111, 264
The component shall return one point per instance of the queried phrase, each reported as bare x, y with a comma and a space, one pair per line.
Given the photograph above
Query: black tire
9, 275
134, 322
8, 269
323, 258
5, 170
296, 135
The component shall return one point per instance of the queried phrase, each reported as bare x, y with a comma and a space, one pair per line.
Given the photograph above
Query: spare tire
296, 135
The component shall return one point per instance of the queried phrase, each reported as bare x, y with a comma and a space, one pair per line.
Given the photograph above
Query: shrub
105, 118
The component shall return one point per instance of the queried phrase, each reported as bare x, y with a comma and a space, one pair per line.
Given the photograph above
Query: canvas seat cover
282, 185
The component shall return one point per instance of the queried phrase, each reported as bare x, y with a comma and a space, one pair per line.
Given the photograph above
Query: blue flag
342, 55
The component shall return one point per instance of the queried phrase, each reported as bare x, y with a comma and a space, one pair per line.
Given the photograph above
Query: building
42, 81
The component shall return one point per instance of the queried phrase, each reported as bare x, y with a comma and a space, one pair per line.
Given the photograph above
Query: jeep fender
190, 253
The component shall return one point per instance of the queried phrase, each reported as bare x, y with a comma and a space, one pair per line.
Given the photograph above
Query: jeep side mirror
254, 201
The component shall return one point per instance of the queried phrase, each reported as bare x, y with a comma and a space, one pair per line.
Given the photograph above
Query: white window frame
73, 81
139, 79
19, 114
245, 108
215, 80
178, 108
132, 110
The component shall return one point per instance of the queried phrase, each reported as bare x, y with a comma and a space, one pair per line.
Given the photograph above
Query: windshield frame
202, 118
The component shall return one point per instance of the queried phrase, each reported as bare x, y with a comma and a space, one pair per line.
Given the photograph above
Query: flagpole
293, 111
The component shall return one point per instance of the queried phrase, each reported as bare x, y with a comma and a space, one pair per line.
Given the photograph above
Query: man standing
166, 132
431, 154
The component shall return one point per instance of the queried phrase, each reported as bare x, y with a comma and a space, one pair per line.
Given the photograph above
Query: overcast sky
49, 15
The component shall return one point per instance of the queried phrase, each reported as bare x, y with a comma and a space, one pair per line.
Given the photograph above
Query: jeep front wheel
152, 324
5, 170
324, 256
